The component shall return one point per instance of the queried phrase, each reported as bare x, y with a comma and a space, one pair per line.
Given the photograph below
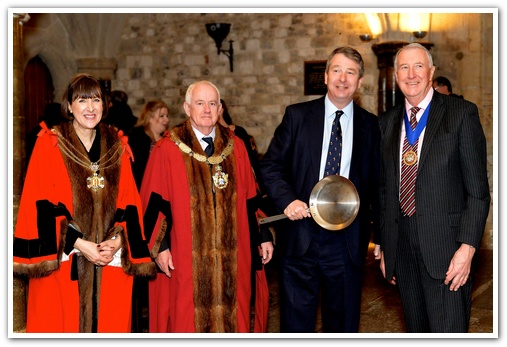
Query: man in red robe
196, 219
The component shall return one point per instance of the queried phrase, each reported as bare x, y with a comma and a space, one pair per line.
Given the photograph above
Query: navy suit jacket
290, 170
452, 191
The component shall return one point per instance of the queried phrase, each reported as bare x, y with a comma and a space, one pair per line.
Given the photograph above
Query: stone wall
157, 55
161, 54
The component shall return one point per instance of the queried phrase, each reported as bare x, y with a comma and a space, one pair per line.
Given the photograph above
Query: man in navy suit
427, 249
314, 260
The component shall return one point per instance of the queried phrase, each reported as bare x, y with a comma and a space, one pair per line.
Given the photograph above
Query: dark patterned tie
409, 170
210, 148
334, 154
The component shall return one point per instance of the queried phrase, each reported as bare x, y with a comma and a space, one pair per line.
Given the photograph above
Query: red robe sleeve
128, 197
46, 180
155, 182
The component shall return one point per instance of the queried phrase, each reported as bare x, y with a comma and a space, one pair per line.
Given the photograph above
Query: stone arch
64, 41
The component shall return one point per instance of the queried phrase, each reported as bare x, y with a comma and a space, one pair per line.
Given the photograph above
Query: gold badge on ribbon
410, 158
220, 179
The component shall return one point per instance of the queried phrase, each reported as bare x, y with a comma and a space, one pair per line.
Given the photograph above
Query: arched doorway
39, 92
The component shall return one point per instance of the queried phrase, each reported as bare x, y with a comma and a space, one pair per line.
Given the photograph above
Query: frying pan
334, 203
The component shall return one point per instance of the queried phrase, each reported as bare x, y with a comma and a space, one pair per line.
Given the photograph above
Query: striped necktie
409, 164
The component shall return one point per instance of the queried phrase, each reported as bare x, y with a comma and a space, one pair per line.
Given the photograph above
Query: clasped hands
100, 254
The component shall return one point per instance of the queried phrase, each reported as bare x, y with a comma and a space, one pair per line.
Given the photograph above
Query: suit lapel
315, 125
393, 132
359, 132
437, 112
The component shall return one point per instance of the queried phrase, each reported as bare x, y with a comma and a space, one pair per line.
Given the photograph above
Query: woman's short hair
83, 86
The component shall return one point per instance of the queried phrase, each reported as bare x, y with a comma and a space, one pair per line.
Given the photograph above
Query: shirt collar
200, 135
423, 104
331, 109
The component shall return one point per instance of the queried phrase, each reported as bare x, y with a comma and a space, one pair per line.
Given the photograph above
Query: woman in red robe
79, 236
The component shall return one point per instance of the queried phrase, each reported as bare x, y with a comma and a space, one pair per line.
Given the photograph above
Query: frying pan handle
275, 218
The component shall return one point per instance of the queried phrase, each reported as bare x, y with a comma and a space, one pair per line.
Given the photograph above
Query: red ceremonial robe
210, 289
63, 298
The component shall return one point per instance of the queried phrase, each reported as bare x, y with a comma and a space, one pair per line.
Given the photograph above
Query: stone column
19, 284
101, 68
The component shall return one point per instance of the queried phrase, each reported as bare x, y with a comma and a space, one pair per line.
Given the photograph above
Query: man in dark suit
314, 260
430, 233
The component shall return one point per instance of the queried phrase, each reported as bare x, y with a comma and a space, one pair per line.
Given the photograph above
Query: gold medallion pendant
220, 178
410, 158
95, 182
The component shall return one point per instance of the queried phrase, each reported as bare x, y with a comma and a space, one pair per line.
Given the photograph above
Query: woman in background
150, 127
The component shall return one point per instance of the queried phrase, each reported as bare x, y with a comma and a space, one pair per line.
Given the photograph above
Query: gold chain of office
94, 182
220, 178
213, 160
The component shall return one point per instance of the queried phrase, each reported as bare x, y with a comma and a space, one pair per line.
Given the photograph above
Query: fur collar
214, 235
93, 212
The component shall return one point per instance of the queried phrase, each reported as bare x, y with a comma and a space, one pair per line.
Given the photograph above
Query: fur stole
94, 212
214, 235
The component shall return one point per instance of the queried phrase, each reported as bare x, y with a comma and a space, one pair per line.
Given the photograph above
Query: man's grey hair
413, 45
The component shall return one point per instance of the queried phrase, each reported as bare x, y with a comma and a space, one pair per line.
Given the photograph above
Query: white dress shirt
347, 124
200, 135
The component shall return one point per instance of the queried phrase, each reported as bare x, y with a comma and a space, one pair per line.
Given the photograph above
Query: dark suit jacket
290, 170
452, 192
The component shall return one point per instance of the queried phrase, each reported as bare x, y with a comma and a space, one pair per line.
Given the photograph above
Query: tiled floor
381, 307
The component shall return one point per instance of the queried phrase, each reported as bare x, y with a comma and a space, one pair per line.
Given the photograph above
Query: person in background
195, 190
150, 127
442, 85
314, 260
120, 114
263, 201
225, 120
79, 236
432, 222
